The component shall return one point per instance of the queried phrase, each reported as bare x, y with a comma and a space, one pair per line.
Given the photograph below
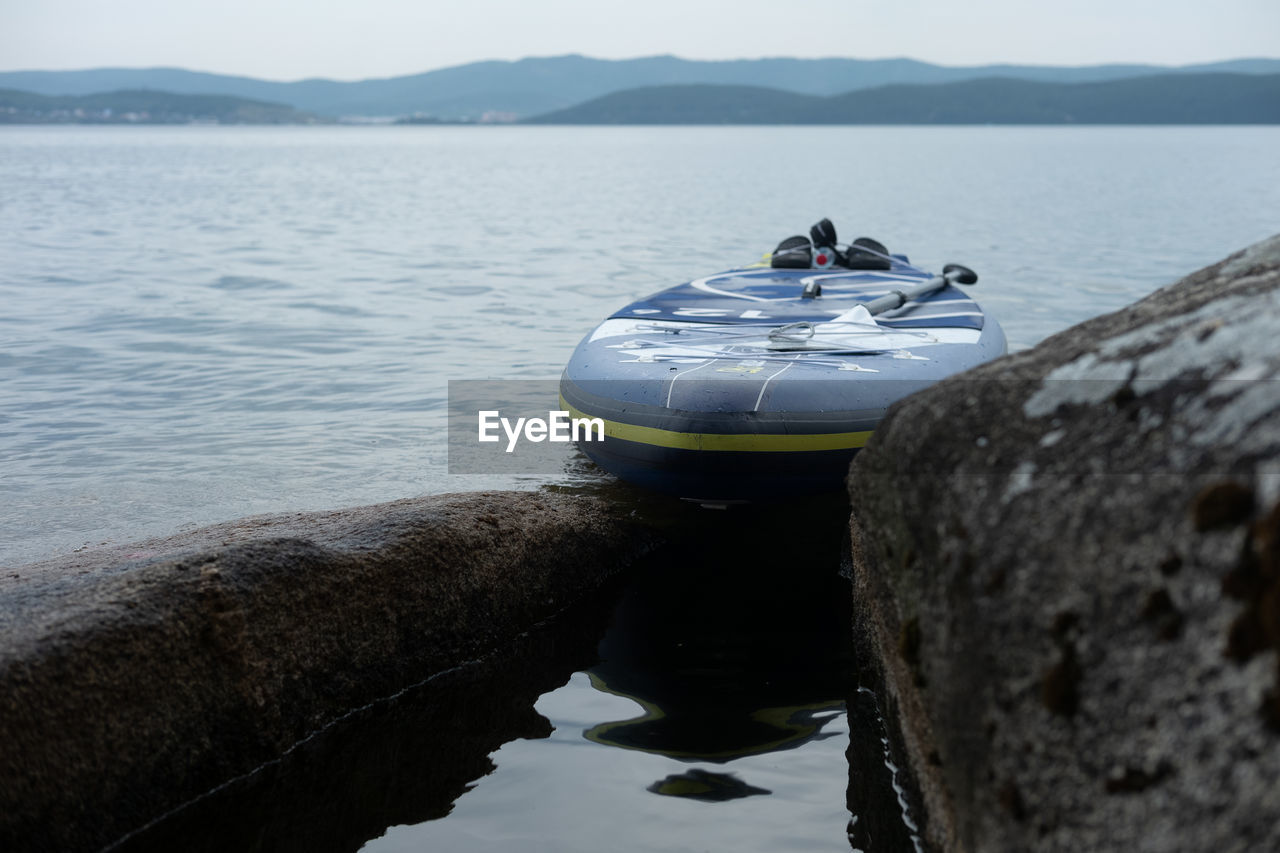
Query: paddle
951, 274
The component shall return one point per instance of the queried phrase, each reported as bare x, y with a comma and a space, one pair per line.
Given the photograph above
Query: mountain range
1157, 99
143, 106
535, 86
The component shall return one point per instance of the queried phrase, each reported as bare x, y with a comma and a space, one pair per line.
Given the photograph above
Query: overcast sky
345, 40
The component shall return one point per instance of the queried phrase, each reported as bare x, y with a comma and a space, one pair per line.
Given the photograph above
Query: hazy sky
341, 39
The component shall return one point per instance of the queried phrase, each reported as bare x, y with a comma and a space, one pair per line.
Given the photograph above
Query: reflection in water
738, 644
878, 801
701, 736
404, 761
736, 648
704, 785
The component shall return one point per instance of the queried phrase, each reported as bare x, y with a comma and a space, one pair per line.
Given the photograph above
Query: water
201, 323
713, 719
204, 323
708, 703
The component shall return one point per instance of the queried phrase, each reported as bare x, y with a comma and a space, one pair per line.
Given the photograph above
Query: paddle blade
960, 274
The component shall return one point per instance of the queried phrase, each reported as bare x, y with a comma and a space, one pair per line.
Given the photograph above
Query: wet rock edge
135, 678
1059, 642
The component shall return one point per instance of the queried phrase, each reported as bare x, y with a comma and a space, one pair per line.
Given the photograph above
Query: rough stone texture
135, 678
1067, 563
395, 763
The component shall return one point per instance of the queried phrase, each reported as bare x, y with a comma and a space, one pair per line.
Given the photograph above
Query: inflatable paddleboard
761, 383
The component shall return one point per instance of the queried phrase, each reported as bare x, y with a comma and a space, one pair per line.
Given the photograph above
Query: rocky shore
1067, 588
135, 678
1067, 565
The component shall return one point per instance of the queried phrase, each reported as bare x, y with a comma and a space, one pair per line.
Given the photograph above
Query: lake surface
201, 323
204, 323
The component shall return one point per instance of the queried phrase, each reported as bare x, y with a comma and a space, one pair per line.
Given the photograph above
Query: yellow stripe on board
770, 442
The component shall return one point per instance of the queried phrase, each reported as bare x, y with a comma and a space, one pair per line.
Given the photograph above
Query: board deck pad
760, 382
772, 295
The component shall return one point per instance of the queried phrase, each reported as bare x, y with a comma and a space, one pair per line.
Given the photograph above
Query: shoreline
250, 640
1065, 564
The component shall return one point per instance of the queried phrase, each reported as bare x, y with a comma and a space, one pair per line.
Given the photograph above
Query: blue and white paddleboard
761, 383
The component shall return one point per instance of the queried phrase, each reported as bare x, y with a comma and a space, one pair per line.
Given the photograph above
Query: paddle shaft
898, 298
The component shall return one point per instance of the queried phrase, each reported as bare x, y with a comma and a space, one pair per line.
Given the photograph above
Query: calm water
681, 712
203, 323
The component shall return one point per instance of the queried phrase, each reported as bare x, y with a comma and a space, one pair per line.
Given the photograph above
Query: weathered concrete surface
135, 678
1068, 565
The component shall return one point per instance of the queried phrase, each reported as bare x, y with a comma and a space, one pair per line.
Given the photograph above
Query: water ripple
205, 323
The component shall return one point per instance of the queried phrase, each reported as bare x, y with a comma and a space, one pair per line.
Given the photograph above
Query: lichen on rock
1098, 654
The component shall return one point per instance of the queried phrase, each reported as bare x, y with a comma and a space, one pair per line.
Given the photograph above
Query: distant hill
142, 107
538, 85
1157, 99
692, 104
